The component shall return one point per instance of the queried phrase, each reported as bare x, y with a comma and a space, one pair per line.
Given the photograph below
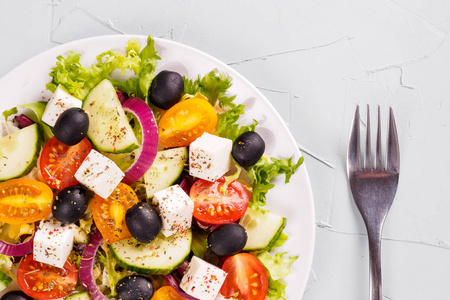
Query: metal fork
373, 187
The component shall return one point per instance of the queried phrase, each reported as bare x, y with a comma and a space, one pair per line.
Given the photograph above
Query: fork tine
378, 165
368, 163
393, 151
353, 153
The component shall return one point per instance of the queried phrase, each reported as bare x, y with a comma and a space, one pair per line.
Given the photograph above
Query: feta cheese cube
60, 101
202, 280
53, 242
175, 208
99, 174
209, 157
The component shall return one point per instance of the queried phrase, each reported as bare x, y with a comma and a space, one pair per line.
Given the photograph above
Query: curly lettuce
79, 80
109, 264
227, 125
213, 86
277, 267
264, 171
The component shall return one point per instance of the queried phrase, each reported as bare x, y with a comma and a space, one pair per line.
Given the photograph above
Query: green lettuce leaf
9, 112
277, 290
227, 126
199, 242
213, 86
128, 87
145, 76
6, 263
277, 267
37, 108
110, 262
232, 177
264, 171
79, 80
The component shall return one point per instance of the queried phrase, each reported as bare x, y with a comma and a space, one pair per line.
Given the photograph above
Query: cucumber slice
160, 257
19, 152
5, 280
78, 296
165, 170
263, 229
109, 129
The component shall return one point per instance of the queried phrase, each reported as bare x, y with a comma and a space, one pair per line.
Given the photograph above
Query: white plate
26, 83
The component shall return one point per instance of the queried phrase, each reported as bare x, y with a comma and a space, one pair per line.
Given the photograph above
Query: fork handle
374, 237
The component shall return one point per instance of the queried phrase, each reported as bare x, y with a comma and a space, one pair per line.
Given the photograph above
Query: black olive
143, 222
166, 89
70, 204
248, 148
15, 295
71, 126
227, 240
134, 287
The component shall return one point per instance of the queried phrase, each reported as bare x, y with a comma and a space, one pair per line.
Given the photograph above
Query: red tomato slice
59, 162
214, 207
246, 279
42, 281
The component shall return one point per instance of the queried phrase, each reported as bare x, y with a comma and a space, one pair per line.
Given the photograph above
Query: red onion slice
181, 269
122, 97
186, 182
23, 121
173, 282
18, 249
86, 267
149, 147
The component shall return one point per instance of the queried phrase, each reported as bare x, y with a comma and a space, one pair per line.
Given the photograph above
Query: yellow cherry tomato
24, 201
166, 293
187, 120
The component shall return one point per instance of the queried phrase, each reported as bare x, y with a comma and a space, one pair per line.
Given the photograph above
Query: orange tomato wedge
166, 293
109, 214
187, 120
24, 201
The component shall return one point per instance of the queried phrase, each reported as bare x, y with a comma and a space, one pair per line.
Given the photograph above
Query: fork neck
374, 237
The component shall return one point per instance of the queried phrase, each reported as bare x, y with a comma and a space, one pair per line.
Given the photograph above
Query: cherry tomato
24, 201
246, 279
184, 122
166, 293
109, 214
43, 281
212, 206
59, 162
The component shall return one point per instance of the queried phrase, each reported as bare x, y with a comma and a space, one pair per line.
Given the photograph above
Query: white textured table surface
314, 60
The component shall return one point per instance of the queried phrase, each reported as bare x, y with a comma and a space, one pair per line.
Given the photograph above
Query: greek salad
144, 188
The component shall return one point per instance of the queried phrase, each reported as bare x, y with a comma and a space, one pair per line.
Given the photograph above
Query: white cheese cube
53, 243
209, 157
60, 101
99, 174
202, 280
175, 208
